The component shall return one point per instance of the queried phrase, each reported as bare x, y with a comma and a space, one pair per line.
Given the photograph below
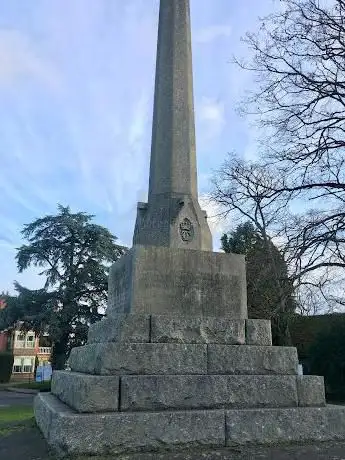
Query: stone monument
176, 363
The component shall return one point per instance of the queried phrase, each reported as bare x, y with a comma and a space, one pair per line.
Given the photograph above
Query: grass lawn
15, 414
15, 418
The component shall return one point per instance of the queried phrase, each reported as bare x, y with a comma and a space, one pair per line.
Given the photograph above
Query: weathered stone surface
258, 332
83, 359
173, 191
92, 434
269, 426
139, 358
112, 433
86, 393
243, 359
197, 330
160, 222
311, 390
178, 282
207, 392
124, 328
43, 414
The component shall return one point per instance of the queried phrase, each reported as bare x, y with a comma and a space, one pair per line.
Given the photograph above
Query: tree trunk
60, 353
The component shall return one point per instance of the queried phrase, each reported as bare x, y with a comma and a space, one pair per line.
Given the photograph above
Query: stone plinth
160, 382
112, 433
126, 432
175, 282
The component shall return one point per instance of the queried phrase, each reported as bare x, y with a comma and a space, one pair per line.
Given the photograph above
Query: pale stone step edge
90, 393
173, 358
158, 431
135, 328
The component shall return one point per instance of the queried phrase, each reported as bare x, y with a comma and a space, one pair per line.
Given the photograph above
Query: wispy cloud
212, 33
76, 97
211, 114
19, 60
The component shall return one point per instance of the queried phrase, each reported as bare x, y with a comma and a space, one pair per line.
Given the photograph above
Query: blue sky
76, 89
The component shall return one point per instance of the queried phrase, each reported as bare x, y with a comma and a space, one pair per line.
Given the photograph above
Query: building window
28, 364
23, 340
23, 365
20, 340
30, 341
17, 365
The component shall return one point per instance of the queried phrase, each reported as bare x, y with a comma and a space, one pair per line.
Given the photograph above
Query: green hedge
41, 386
6, 365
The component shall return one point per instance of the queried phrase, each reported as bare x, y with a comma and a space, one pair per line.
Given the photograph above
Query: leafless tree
298, 58
247, 191
244, 190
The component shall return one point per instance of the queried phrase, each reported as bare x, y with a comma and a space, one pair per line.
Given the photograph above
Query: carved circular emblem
186, 230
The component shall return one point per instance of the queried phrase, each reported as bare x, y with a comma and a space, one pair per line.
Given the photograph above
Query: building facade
26, 346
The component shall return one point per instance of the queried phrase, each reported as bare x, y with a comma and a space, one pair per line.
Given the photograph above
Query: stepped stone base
158, 382
112, 433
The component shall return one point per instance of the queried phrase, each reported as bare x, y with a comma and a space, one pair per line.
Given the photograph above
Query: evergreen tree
265, 268
75, 256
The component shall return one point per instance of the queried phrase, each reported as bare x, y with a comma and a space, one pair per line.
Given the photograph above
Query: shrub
327, 358
6, 365
40, 386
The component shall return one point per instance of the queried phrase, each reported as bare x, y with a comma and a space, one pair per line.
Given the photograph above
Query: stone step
162, 358
273, 426
251, 360
172, 329
123, 328
135, 328
176, 359
86, 393
151, 393
93, 393
210, 330
114, 433
139, 358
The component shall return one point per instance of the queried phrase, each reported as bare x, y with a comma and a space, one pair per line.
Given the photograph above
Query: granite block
164, 392
139, 358
86, 393
311, 390
243, 359
179, 282
181, 329
258, 332
272, 426
124, 328
109, 434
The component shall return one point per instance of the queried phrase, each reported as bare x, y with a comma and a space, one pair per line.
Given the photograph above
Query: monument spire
173, 217
173, 157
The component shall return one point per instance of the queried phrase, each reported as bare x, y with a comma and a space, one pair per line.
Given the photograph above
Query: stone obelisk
176, 363
173, 217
